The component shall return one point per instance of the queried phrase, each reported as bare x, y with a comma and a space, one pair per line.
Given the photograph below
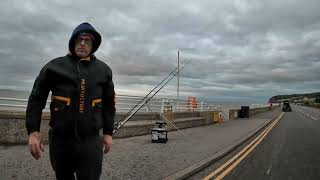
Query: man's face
83, 45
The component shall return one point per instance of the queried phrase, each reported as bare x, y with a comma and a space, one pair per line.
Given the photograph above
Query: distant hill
292, 97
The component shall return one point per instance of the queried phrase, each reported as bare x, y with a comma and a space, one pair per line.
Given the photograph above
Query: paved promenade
137, 157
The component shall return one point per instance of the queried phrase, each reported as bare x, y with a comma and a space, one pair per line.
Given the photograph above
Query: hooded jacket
82, 92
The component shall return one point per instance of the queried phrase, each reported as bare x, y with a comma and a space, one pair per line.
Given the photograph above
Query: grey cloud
250, 50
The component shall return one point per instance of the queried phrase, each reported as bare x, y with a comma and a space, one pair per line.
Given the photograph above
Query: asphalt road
290, 151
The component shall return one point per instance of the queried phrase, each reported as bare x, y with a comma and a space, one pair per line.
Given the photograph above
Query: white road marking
308, 115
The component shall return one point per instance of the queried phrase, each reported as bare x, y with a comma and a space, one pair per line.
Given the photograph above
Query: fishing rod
147, 95
166, 83
120, 123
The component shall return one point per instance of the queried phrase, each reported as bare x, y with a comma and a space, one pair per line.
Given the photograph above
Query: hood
85, 27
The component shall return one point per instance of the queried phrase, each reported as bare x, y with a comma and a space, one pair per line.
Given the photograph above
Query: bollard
201, 107
162, 106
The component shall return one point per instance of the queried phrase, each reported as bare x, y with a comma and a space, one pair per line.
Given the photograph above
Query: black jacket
82, 93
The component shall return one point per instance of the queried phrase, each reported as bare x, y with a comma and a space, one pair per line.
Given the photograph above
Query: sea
17, 101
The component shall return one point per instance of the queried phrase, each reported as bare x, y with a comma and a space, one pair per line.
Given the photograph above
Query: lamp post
178, 76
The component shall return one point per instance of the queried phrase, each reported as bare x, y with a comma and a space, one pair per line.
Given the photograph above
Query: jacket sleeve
108, 104
37, 101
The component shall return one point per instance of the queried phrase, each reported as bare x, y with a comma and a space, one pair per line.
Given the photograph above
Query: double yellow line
222, 171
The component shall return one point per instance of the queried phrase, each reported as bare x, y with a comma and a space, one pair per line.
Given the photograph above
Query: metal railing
125, 102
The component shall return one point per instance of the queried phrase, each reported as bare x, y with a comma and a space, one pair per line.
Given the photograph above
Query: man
82, 103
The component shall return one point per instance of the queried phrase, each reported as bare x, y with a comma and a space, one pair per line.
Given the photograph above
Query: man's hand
107, 143
35, 145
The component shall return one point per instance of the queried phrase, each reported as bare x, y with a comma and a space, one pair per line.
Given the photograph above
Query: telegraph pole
178, 80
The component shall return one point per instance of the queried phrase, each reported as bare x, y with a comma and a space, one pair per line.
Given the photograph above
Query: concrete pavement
137, 157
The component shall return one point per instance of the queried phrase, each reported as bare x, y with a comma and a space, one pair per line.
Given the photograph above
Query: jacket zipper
76, 134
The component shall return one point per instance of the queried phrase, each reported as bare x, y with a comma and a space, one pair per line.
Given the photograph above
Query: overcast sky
240, 50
